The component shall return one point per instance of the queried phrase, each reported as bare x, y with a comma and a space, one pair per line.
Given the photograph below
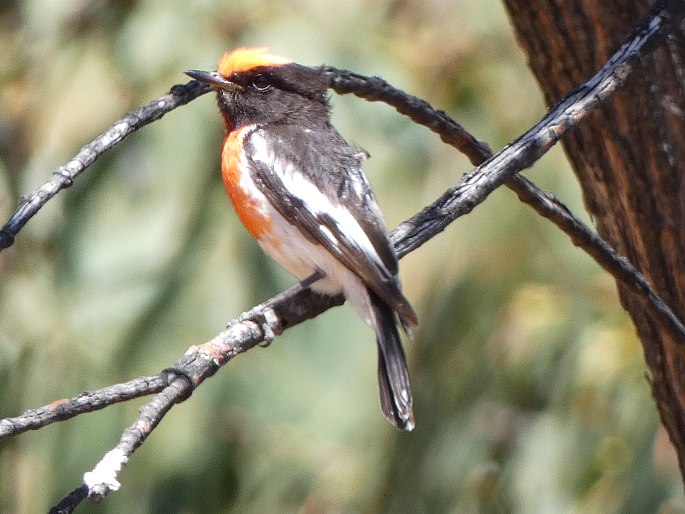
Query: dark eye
261, 82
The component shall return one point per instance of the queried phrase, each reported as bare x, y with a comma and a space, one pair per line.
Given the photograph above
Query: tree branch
565, 115
89, 401
65, 175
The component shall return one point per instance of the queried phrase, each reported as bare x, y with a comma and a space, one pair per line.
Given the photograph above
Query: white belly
301, 257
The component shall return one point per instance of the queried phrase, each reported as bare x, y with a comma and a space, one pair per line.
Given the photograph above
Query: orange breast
246, 204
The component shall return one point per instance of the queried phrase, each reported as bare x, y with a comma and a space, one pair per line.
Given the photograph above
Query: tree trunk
629, 157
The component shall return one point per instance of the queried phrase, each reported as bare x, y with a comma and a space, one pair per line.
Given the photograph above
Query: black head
255, 87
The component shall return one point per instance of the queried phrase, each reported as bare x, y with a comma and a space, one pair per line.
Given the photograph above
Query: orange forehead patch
244, 59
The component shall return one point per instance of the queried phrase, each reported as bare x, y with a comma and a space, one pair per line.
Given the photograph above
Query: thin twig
64, 176
68, 504
88, 401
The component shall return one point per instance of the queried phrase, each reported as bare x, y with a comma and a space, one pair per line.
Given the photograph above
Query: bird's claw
264, 318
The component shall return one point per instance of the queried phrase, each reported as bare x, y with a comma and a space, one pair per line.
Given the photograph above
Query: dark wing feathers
334, 168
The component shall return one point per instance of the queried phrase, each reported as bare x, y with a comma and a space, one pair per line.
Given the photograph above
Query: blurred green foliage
530, 388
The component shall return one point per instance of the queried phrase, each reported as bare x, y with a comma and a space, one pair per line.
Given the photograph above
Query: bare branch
69, 503
89, 401
65, 175
250, 329
534, 143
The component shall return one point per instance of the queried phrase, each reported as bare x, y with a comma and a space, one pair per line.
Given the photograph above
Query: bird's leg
317, 275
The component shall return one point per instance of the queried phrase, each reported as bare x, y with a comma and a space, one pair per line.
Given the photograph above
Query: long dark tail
393, 376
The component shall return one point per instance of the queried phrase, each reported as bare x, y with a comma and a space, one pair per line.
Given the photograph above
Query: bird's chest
249, 202
275, 234
279, 237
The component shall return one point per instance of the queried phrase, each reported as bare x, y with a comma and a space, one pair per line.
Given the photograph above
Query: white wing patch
314, 200
327, 232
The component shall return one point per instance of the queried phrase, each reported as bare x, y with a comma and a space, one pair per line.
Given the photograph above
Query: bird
299, 189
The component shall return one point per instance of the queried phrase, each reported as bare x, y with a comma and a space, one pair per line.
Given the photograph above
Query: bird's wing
314, 179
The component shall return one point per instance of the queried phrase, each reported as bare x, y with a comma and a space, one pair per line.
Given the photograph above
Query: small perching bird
299, 189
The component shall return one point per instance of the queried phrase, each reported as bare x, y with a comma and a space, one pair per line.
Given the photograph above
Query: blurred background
530, 390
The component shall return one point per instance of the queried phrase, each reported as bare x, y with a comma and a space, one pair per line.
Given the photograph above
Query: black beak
212, 78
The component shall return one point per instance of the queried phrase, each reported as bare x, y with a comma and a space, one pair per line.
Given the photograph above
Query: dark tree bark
629, 157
